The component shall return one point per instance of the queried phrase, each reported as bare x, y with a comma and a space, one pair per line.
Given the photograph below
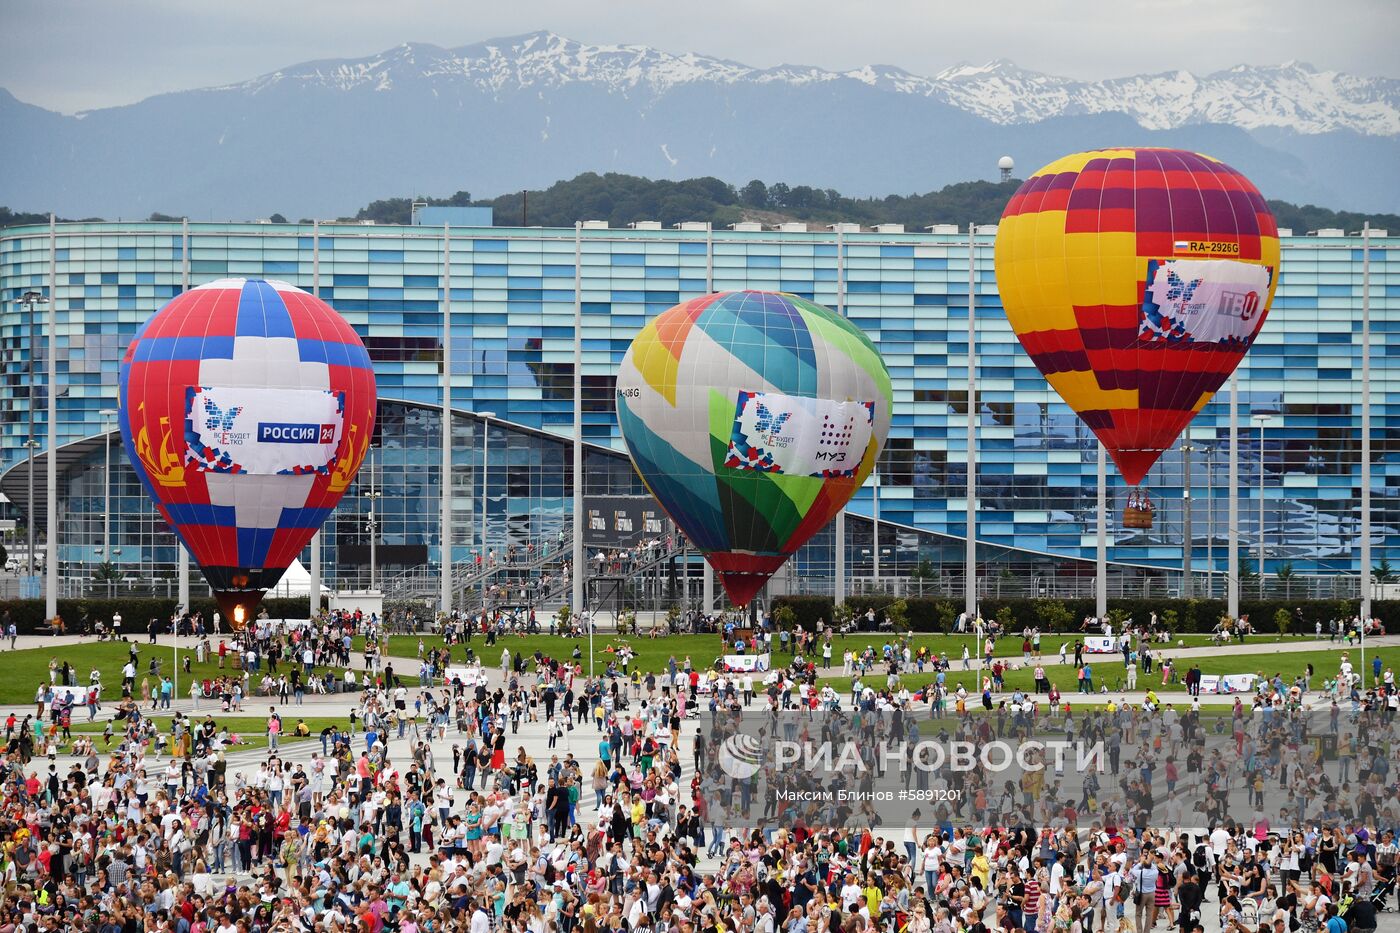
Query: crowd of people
577, 805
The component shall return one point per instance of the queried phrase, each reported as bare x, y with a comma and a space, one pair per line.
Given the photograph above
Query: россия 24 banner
262, 431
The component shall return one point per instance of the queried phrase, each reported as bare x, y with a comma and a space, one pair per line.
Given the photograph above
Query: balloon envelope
246, 407
752, 417
1137, 279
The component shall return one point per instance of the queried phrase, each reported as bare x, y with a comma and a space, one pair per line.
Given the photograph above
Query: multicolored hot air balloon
752, 417
1137, 279
246, 408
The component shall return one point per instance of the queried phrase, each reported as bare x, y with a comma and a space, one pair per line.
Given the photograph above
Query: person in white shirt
480, 923
850, 893
1057, 877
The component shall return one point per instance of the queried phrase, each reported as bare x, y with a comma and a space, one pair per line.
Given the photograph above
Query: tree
1284, 575
1006, 617
1383, 573
277, 219
158, 217
388, 211
784, 617
754, 194
622, 199
1248, 577
1053, 614
1168, 618
1283, 621
108, 573
947, 615
897, 614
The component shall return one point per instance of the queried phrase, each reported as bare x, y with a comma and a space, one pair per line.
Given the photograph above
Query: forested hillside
623, 199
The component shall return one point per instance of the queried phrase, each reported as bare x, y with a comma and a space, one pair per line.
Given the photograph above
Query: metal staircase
425, 582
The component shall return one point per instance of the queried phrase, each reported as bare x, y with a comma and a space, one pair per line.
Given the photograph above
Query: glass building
513, 294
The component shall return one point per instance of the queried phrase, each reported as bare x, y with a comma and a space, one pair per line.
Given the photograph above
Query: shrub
136, 612
807, 611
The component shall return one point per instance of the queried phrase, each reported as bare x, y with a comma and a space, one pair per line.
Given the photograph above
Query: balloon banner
799, 436
1101, 644
263, 431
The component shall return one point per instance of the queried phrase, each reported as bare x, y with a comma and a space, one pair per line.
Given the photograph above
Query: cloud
74, 54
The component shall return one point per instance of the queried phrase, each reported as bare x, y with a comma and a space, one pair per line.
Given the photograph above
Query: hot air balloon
246, 408
752, 417
1137, 279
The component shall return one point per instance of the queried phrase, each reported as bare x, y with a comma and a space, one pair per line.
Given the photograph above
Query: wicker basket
1134, 517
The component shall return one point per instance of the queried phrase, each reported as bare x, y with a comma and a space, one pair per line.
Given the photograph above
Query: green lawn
1108, 670
28, 668
251, 730
653, 654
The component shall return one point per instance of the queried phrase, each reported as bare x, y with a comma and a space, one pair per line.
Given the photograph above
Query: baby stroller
1382, 892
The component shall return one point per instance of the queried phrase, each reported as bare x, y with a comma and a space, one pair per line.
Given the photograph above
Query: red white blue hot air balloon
246, 408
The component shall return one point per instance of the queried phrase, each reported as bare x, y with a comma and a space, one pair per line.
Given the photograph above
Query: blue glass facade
513, 303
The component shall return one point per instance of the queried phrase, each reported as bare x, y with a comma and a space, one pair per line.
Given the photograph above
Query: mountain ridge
1292, 94
520, 112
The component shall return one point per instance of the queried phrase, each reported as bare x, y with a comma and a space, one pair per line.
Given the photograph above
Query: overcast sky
74, 54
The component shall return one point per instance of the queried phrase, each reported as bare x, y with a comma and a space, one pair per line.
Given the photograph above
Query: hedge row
931, 614
137, 612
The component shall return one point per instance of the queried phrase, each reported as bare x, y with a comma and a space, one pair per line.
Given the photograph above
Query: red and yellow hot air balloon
1137, 279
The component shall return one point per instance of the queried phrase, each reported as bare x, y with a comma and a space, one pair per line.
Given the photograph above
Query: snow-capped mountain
324, 137
1293, 95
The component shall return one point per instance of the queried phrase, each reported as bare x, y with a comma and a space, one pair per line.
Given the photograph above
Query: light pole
486, 417
578, 591
373, 494
1366, 570
1187, 540
1261, 420
875, 567
970, 556
28, 301
1210, 522
107, 494
1232, 528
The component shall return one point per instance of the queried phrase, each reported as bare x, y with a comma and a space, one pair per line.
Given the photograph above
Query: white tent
295, 582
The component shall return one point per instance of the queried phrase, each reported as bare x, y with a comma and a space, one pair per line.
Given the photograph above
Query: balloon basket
1137, 518
1138, 514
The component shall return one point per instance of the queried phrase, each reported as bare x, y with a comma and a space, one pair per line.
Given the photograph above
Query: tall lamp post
107, 494
1210, 521
1367, 573
1188, 542
875, 530
1261, 420
28, 301
486, 417
373, 494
